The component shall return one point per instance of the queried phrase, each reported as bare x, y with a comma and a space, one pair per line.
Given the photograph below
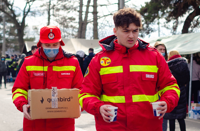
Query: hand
25, 111
163, 108
104, 113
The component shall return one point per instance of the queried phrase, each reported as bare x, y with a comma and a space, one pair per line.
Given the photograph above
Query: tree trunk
49, 13
85, 20
121, 4
189, 19
95, 23
20, 34
80, 19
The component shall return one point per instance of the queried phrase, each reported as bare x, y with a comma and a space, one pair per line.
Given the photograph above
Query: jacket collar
109, 43
174, 57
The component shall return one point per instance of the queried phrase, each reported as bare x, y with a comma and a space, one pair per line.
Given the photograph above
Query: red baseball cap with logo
50, 34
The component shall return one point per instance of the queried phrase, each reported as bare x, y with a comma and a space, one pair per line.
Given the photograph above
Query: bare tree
80, 18
49, 13
95, 23
83, 24
11, 12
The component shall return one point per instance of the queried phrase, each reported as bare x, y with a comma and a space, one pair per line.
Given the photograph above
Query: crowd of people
10, 66
128, 73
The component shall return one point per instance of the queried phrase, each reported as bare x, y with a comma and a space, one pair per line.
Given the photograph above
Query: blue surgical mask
163, 54
51, 52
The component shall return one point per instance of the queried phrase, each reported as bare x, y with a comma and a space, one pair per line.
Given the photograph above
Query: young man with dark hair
130, 75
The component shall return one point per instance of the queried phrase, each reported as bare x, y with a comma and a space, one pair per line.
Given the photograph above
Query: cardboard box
195, 106
50, 103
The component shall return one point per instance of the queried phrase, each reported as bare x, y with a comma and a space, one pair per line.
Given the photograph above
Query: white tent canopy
184, 43
72, 45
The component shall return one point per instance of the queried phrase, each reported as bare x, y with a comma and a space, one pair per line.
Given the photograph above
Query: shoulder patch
86, 72
105, 61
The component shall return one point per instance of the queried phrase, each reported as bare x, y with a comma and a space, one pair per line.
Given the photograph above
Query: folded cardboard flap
42, 103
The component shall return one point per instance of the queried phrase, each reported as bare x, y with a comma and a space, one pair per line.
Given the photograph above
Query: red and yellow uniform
129, 79
39, 73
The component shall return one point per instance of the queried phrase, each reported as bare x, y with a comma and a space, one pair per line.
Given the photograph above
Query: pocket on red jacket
108, 78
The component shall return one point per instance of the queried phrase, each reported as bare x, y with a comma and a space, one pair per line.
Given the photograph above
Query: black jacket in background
3, 67
180, 71
80, 60
86, 62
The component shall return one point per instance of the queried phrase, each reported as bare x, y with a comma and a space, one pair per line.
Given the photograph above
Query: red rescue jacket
129, 79
37, 72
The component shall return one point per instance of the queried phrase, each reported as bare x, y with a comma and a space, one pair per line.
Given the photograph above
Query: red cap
50, 34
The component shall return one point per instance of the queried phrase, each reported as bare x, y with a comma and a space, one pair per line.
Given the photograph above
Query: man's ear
115, 31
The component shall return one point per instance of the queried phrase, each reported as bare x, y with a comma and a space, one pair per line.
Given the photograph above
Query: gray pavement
12, 120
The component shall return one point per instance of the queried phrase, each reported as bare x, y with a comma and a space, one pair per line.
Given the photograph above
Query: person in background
33, 50
160, 46
3, 71
48, 67
179, 68
15, 58
8, 62
195, 77
87, 59
80, 56
13, 68
128, 74
20, 61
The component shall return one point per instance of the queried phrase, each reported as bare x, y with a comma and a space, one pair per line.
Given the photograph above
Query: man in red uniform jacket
130, 75
48, 67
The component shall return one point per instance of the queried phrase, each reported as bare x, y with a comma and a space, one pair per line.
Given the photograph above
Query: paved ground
11, 118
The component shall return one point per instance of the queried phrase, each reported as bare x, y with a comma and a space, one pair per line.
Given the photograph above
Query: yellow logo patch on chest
105, 61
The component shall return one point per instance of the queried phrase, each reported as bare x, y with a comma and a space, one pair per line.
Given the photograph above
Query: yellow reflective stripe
64, 68
85, 96
21, 91
111, 70
142, 98
143, 68
113, 99
36, 68
170, 88
18, 95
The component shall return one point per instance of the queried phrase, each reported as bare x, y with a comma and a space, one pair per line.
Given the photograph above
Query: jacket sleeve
78, 77
167, 85
89, 97
20, 88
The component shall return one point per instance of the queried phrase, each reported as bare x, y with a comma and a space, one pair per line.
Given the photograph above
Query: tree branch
10, 7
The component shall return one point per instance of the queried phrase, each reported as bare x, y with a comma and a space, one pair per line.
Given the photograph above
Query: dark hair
124, 17
33, 47
91, 49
